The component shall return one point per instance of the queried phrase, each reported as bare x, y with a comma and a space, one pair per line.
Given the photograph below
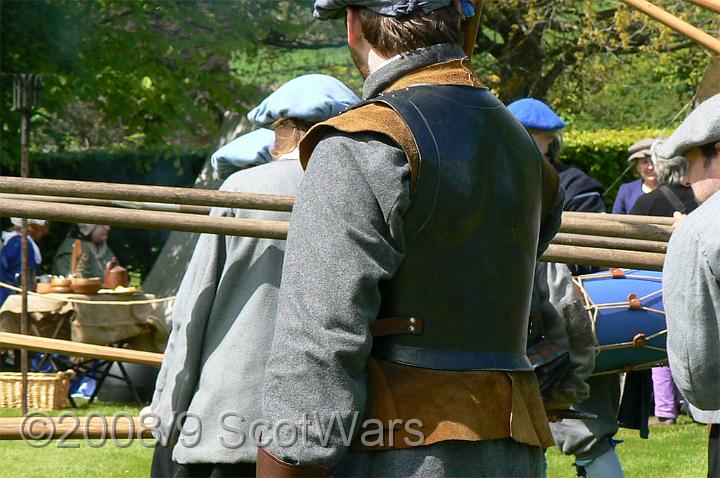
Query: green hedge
603, 155
137, 249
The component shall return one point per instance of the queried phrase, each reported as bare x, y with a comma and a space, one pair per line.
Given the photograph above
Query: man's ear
354, 30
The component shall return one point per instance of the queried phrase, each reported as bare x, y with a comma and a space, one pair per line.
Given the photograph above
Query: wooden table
99, 319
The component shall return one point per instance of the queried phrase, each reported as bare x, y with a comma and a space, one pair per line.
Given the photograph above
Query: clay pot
116, 276
88, 286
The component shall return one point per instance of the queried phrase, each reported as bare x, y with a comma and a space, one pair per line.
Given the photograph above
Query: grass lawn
677, 451
19, 459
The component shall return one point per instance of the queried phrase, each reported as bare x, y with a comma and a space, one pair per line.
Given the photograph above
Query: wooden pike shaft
713, 5
147, 206
44, 428
77, 349
173, 221
680, 26
610, 243
592, 256
602, 225
591, 225
471, 29
629, 218
190, 200
135, 192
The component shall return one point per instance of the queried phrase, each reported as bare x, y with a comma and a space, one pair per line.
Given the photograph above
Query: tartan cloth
550, 361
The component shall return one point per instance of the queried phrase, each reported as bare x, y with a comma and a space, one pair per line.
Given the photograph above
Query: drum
628, 318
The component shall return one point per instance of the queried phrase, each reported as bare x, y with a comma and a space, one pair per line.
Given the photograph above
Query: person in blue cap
589, 439
400, 343
582, 193
224, 314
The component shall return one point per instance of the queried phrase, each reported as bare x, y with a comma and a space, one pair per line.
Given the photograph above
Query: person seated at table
226, 305
85, 252
629, 192
11, 254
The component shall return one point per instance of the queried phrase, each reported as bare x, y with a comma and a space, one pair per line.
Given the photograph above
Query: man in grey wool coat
400, 342
691, 275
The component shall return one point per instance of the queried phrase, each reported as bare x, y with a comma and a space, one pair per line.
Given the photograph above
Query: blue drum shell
615, 327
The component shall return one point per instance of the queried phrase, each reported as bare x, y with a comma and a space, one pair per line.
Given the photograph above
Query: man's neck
375, 60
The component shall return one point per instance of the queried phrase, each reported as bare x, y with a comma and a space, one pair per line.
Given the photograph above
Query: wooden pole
146, 206
44, 428
187, 200
713, 5
610, 243
135, 192
593, 225
670, 20
77, 349
601, 225
24, 172
173, 221
625, 218
603, 257
471, 30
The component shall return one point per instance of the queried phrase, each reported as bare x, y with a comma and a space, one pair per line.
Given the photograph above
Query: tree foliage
527, 45
156, 72
139, 71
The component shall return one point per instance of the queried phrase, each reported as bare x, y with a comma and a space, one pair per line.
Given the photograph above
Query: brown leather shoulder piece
550, 184
371, 118
453, 72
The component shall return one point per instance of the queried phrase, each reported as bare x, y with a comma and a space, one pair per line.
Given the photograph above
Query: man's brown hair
393, 35
288, 133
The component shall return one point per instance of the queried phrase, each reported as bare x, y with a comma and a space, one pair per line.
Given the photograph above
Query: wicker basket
45, 390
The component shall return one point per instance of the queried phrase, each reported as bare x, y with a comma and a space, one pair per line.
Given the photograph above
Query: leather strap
397, 325
269, 466
673, 198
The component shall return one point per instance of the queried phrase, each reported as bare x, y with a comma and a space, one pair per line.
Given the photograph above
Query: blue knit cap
310, 98
534, 114
250, 149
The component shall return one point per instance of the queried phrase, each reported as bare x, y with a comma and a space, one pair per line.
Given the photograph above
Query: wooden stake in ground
26, 96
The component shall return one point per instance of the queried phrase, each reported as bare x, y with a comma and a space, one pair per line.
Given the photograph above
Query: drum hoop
636, 368
623, 345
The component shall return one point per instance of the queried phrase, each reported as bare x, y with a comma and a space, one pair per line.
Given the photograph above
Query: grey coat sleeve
574, 329
691, 295
345, 237
176, 382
